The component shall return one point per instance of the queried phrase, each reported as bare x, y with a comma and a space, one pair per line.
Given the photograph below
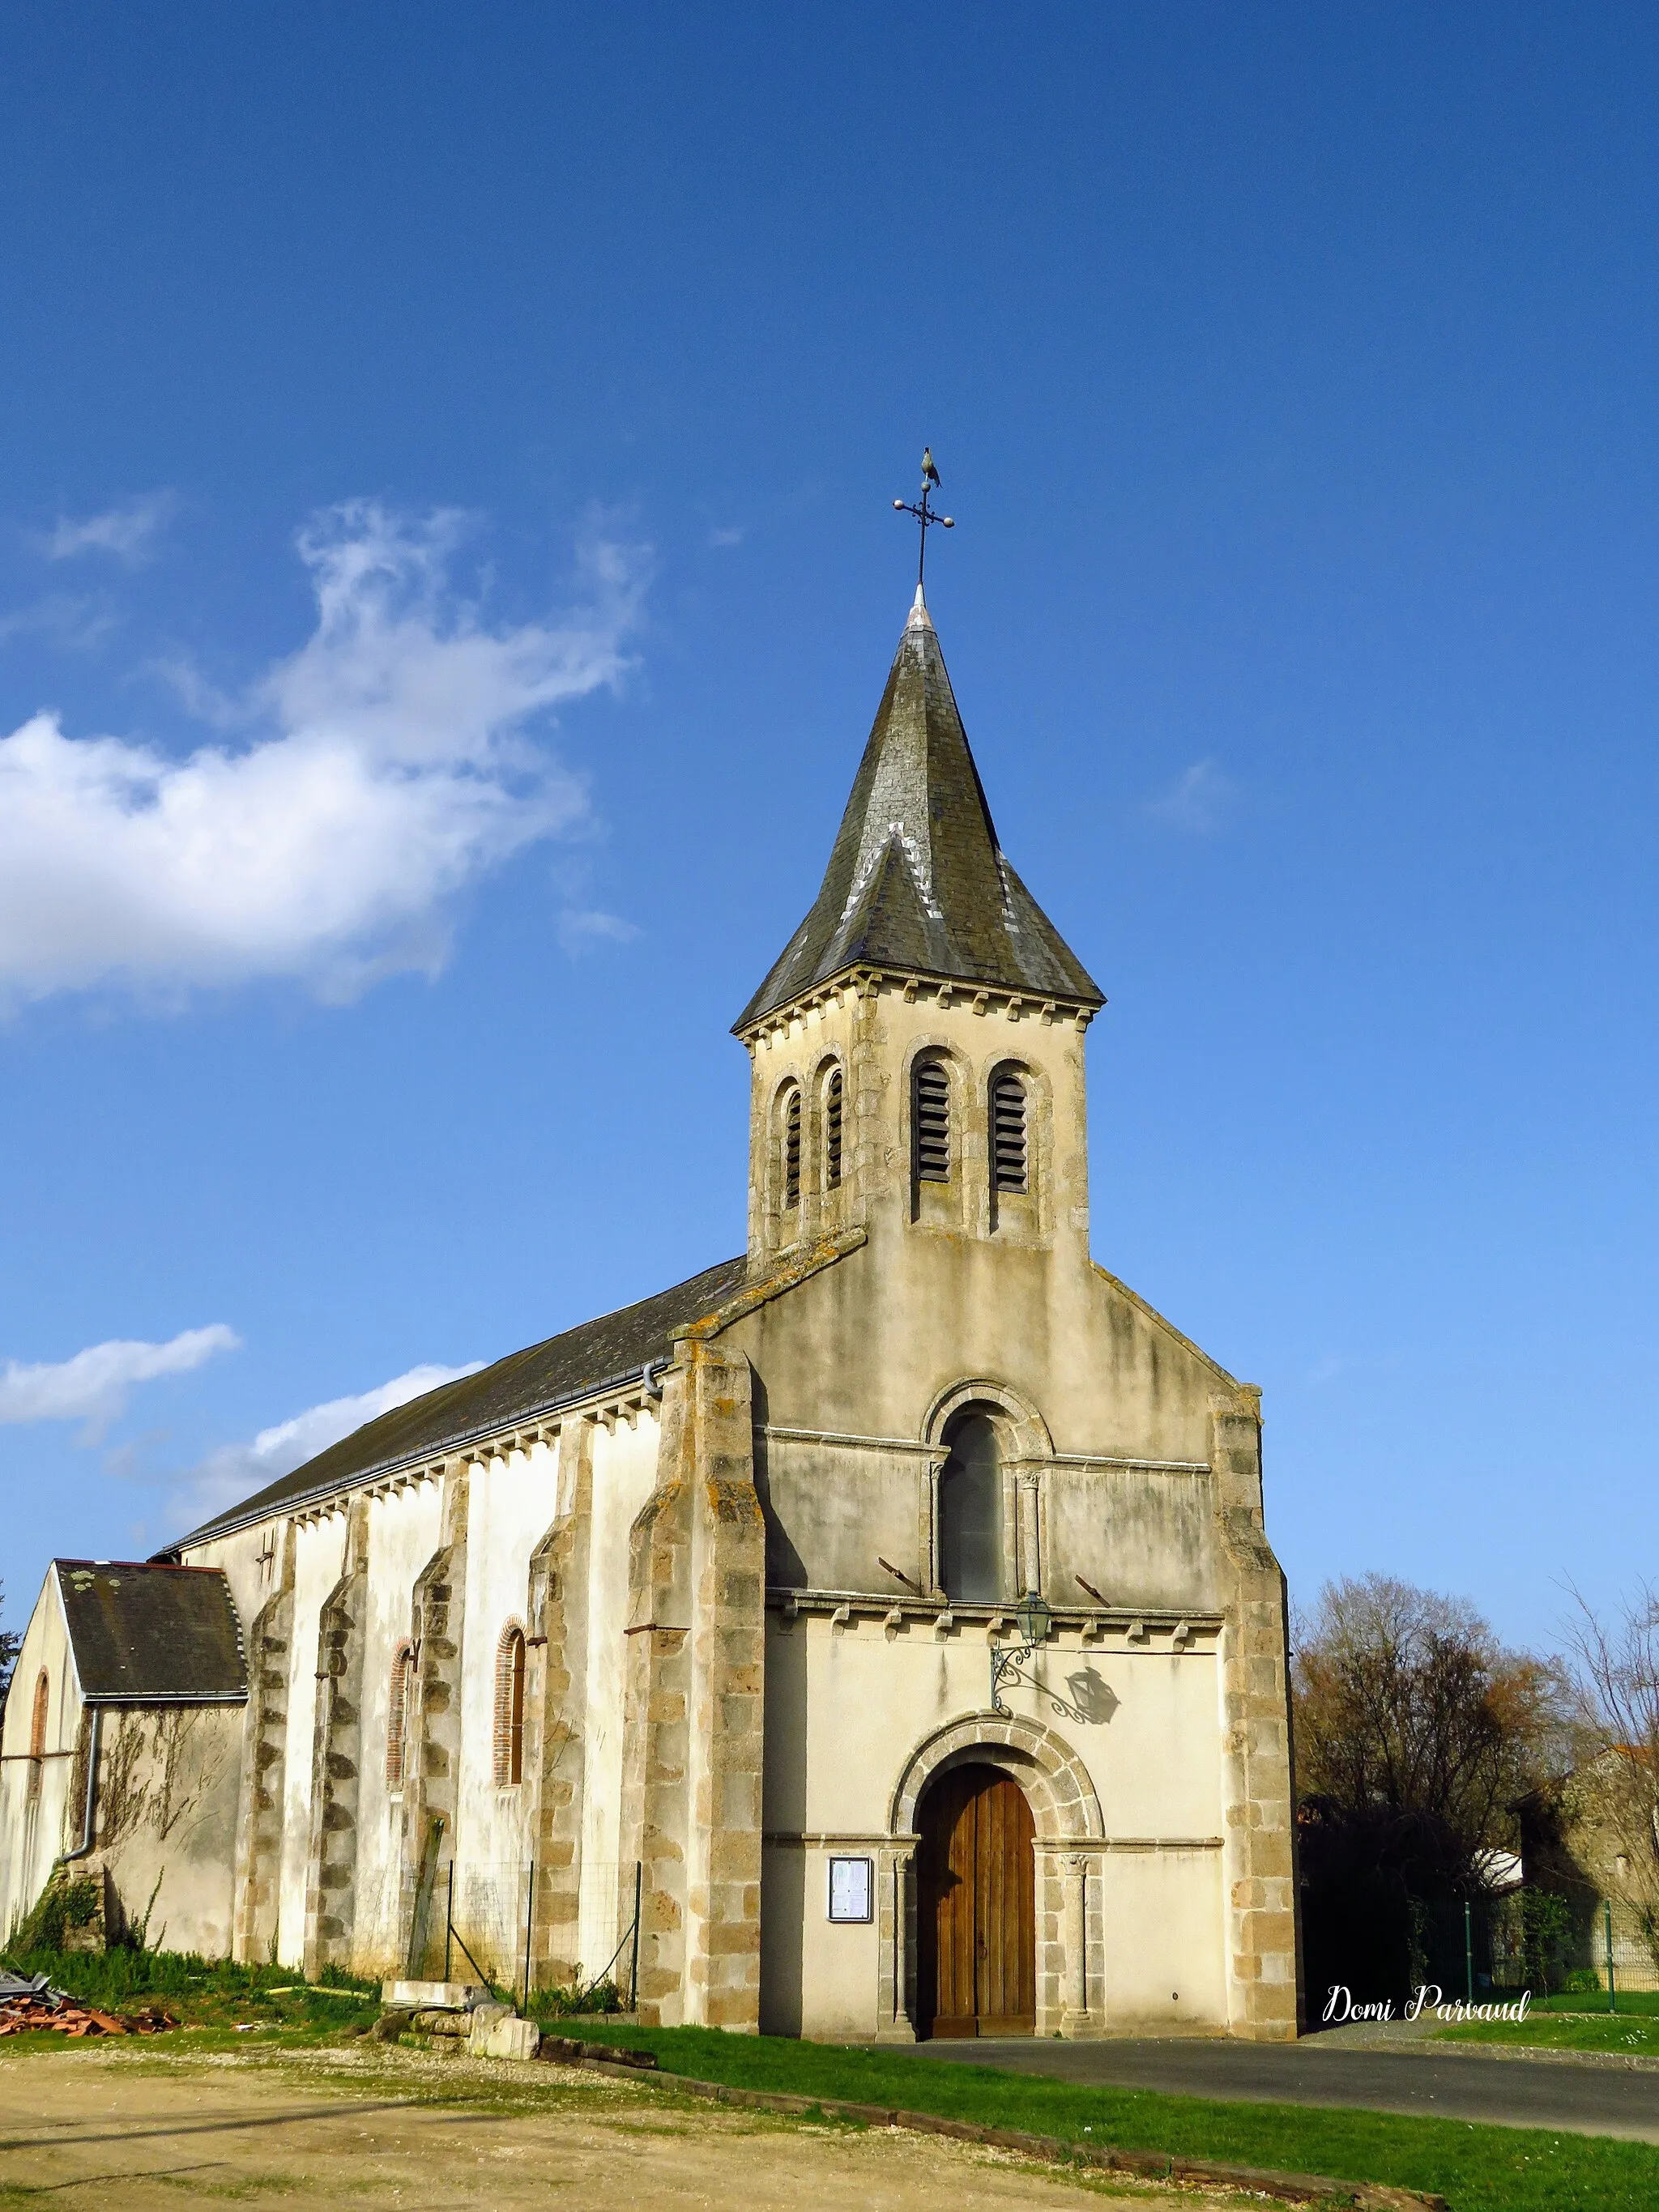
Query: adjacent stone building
888, 1608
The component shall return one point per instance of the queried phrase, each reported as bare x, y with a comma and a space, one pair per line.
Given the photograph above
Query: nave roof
560, 1371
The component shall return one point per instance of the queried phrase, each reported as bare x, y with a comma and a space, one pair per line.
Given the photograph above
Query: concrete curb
1154, 2165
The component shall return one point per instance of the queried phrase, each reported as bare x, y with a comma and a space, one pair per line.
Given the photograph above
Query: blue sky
447, 570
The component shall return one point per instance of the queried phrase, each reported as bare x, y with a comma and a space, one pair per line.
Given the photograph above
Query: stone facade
726, 1521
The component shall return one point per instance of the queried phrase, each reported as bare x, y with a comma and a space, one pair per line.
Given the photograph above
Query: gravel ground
94, 2127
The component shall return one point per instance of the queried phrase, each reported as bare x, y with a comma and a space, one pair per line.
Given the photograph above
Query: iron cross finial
923, 510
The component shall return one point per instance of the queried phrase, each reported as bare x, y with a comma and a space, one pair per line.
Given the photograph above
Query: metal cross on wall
923, 511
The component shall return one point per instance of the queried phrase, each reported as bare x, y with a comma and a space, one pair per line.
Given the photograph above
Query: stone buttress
691, 1770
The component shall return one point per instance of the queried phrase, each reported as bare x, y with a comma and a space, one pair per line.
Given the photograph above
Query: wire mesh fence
478, 1924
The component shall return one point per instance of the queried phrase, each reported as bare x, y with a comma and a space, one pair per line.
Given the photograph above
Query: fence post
1468, 1948
633, 1967
1607, 1923
529, 1917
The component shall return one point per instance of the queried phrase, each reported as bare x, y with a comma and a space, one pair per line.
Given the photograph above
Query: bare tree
1616, 1788
11, 1639
1417, 1733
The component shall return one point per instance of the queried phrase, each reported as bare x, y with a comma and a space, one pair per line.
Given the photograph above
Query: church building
874, 1637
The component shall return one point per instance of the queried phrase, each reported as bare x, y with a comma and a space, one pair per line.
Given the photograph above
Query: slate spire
917, 882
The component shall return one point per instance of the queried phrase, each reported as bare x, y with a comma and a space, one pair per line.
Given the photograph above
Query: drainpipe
85, 1849
651, 1390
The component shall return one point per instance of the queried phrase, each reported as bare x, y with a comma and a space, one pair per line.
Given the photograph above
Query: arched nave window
970, 1512
37, 1732
509, 1706
397, 1718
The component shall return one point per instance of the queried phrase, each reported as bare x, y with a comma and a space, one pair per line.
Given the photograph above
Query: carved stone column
1074, 1873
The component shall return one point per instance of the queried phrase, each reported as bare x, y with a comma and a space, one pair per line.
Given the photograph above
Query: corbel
981, 1000
1016, 1005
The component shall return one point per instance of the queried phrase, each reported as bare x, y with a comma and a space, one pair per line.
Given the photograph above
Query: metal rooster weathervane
923, 511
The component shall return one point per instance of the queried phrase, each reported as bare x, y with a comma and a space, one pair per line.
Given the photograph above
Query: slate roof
562, 1371
917, 880
152, 1635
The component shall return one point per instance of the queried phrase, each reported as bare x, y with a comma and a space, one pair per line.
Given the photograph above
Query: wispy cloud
580, 929
730, 534
63, 619
93, 1386
385, 766
235, 1472
127, 531
1198, 802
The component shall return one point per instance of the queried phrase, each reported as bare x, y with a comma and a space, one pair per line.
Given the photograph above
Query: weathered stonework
752, 1644
559, 1571
330, 1894
258, 1849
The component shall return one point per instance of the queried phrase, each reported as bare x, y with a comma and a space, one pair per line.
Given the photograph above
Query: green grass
1479, 2169
1631, 2034
1637, 2001
202, 1993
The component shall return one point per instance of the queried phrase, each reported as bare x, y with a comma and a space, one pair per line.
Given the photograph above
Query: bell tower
917, 1048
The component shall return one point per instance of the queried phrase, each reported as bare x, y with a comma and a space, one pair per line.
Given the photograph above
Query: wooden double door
977, 1934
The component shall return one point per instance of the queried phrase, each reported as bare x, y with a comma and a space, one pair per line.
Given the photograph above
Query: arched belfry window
509, 1706
930, 1120
397, 1718
832, 1099
1009, 1155
970, 1512
791, 1148
37, 1732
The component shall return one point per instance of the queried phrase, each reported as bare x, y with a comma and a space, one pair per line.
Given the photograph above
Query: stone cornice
946, 990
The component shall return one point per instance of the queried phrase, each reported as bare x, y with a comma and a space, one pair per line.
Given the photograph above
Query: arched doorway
976, 1952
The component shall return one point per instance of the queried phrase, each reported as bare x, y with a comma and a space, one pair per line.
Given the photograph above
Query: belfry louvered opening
832, 1132
930, 1120
1008, 1145
791, 1148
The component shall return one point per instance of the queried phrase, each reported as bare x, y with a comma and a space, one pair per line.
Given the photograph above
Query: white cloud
235, 1472
93, 1387
128, 531
383, 767
723, 538
1198, 802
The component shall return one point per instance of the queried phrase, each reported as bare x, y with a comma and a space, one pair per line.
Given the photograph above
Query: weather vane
923, 511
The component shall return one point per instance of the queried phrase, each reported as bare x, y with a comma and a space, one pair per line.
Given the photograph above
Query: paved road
1520, 2093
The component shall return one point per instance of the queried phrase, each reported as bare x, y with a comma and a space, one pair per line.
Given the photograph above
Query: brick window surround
509, 1706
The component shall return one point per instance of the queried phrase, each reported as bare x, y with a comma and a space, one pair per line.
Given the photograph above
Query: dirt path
101, 2127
